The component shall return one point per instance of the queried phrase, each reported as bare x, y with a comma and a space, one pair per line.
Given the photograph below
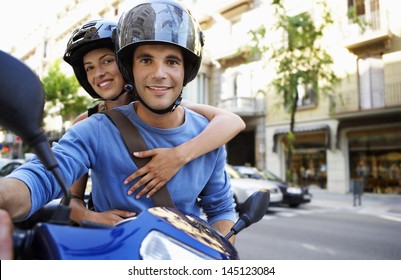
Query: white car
4, 161
244, 187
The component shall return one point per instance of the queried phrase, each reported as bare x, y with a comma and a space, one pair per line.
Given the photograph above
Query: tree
300, 60
62, 92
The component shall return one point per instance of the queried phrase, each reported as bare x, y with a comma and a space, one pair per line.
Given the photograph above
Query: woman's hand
110, 217
164, 164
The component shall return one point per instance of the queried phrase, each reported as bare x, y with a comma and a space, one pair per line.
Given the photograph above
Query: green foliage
302, 60
62, 91
299, 60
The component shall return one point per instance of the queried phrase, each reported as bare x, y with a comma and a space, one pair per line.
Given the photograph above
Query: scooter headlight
159, 246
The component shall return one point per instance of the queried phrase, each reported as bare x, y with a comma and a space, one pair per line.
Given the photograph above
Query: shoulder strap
134, 143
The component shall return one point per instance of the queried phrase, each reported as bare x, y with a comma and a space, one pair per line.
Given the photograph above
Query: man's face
158, 73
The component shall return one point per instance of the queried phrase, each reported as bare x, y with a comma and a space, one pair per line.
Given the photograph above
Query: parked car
10, 167
4, 161
244, 186
293, 195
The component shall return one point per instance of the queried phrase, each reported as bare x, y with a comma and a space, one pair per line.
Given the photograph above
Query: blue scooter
154, 234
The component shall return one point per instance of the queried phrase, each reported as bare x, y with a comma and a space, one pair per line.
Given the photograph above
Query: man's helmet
158, 21
92, 35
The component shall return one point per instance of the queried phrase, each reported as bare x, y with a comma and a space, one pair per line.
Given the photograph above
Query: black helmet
92, 35
164, 21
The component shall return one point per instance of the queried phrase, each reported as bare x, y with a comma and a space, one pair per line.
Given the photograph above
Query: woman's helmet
92, 35
159, 21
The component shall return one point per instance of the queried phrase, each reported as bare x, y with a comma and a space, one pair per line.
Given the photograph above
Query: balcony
349, 101
371, 36
243, 106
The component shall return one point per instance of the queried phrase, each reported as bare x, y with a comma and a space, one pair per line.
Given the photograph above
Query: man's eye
173, 62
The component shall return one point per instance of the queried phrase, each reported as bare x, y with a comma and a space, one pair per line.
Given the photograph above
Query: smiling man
159, 50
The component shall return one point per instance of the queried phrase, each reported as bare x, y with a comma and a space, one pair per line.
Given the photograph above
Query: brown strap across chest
135, 143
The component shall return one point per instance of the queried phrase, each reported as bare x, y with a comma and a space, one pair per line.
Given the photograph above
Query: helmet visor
160, 22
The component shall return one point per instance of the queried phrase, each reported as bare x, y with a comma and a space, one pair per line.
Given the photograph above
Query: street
315, 231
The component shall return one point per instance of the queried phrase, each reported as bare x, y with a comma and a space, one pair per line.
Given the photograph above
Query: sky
19, 17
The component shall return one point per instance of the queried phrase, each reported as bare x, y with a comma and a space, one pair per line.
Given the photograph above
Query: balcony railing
243, 106
348, 101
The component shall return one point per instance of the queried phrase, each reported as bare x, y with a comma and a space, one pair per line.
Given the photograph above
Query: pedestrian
158, 57
91, 53
360, 182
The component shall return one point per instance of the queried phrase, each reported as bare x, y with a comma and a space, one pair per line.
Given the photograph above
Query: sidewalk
371, 203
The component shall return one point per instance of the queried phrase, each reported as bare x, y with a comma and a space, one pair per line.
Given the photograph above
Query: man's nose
159, 71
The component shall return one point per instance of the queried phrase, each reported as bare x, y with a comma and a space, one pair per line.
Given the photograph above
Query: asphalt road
315, 231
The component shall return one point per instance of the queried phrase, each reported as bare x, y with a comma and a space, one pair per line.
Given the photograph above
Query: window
306, 95
45, 49
365, 13
236, 82
358, 6
371, 82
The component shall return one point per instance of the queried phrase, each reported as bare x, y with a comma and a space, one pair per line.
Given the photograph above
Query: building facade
364, 125
360, 122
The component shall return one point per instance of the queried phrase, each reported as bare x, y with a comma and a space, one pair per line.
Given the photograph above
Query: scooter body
157, 233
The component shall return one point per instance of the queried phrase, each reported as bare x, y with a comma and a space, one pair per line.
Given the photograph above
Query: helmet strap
169, 109
127, 88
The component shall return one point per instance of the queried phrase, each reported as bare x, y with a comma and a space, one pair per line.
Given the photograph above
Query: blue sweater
96, 144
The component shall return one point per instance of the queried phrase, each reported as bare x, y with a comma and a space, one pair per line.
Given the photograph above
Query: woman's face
102, 73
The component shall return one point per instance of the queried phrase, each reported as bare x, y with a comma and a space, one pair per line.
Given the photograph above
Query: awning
302, 130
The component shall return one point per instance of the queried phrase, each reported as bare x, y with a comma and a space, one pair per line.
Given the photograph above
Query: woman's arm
166, 162
223, 127
79, 212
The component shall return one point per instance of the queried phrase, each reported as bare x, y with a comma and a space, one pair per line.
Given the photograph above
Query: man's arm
224, 227
6, 240
15, 198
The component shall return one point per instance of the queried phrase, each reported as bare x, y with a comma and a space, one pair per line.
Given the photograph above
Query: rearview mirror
22, 101
253, 210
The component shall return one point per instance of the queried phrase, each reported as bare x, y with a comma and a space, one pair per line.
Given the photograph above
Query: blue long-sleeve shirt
96, 144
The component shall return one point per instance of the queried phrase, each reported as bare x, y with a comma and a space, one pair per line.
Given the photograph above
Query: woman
90, 51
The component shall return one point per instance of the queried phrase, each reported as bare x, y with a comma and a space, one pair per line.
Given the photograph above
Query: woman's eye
107, 61
145, 60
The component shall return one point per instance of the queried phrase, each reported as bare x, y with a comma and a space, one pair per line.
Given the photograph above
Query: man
159, 51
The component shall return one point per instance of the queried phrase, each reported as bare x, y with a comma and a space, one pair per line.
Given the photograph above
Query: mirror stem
43, 151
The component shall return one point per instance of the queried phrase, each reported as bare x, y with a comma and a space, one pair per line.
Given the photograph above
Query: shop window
381, 150
310, 168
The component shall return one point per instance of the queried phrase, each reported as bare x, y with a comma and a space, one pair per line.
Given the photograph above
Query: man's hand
6, 236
